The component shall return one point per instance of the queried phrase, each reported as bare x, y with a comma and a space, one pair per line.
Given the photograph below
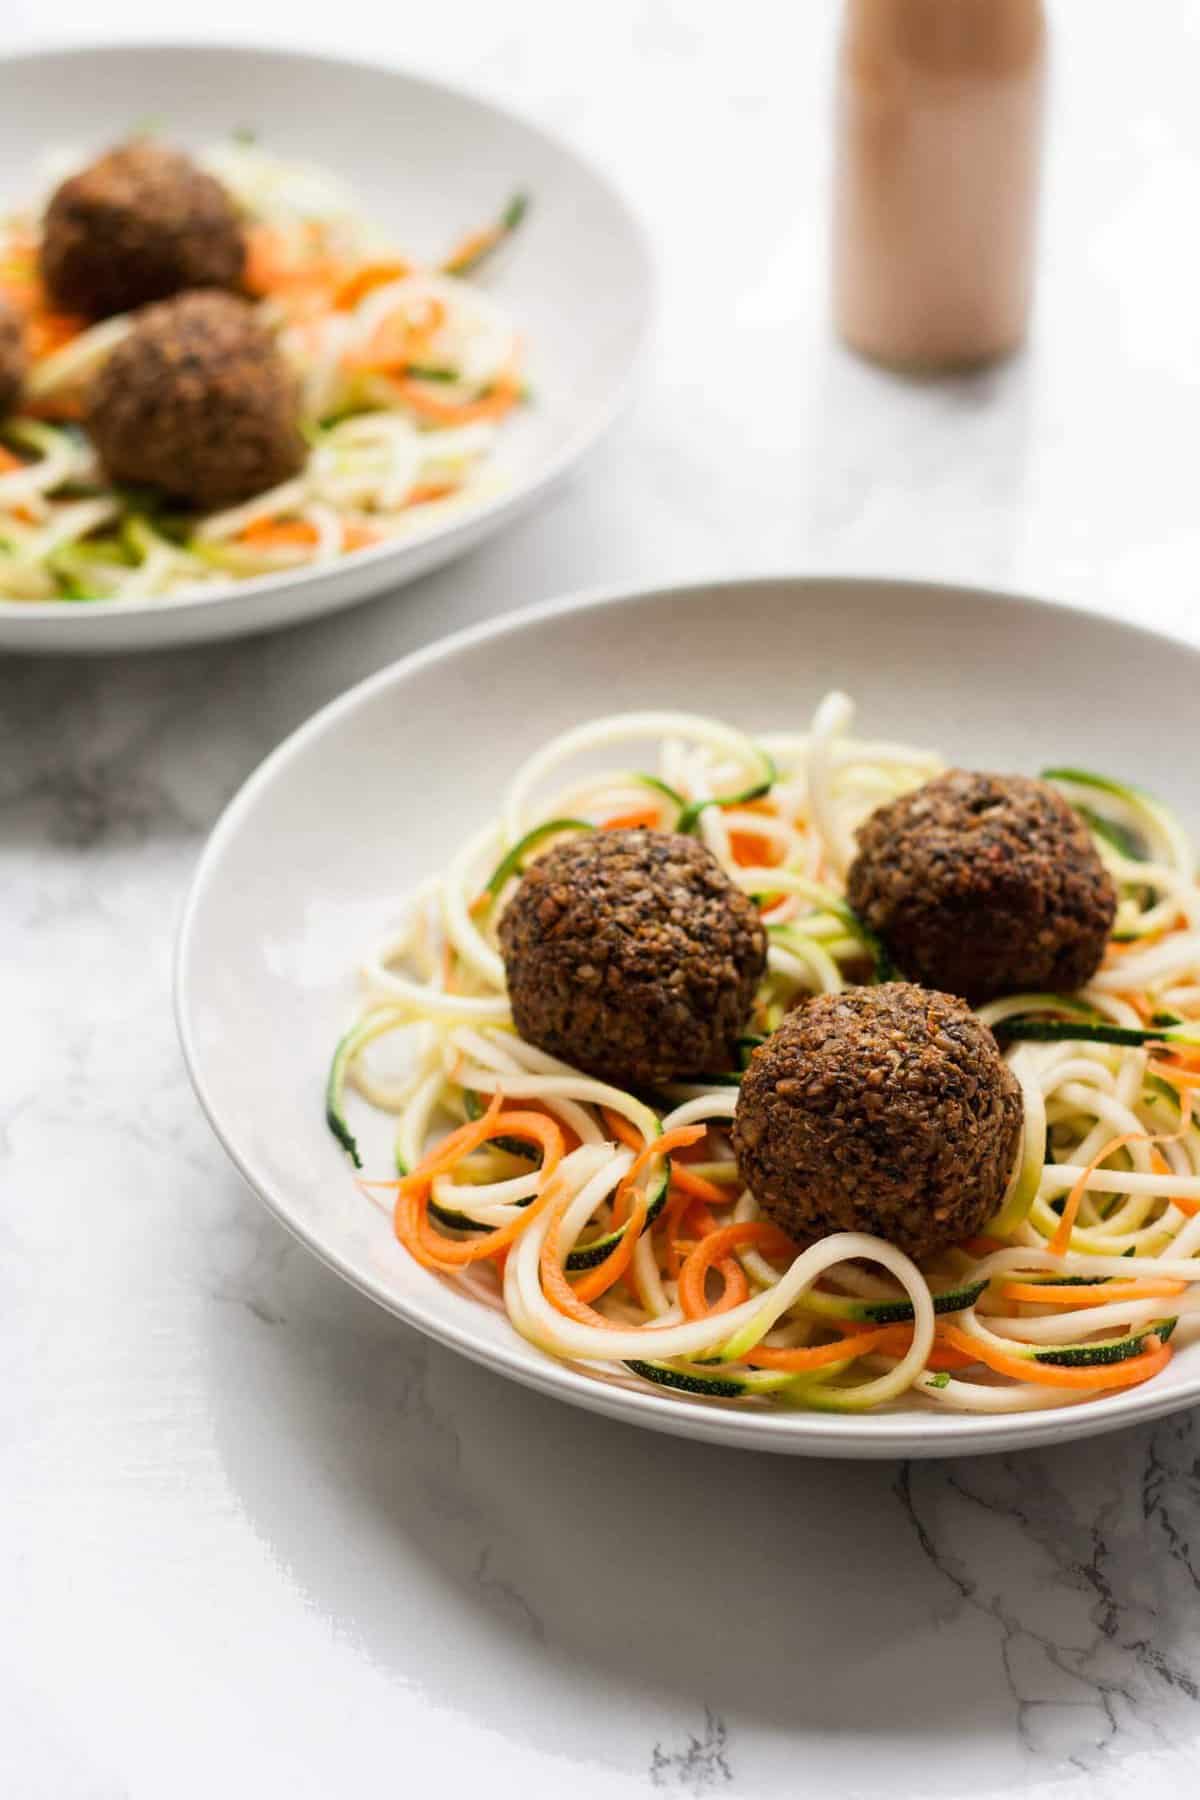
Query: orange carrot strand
715, 1246
1107, 1293
1104, 1375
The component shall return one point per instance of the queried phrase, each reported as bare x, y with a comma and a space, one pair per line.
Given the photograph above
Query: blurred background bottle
937, 161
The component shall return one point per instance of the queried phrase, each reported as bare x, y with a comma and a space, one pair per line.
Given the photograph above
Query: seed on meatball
198, 401
632, 955
14, 357
984, 885
882, 1109
140, 224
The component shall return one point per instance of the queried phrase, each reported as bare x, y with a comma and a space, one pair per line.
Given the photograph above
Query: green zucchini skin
1113, 1350
587, 1256
1127, 843
885, 968
892, 1312
1058, 1031
510, 866
689, 817
666, 790
343, 1134
457, 1221
584, 1256
713, 1387
896, 1312
746, 1046
1059, 1280
376, 1023
1088, 778
590, 1256
475, 1109
335, 1118
507, 223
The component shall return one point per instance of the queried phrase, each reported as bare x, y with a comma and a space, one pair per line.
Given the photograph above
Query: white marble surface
256, 1538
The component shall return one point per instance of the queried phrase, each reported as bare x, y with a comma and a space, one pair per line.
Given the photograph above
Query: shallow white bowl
431, 163
311, 858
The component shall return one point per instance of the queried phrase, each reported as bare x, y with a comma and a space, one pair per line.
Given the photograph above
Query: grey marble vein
1094, 1613
701, 1766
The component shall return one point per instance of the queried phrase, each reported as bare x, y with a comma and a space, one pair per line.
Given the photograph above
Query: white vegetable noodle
631, 1247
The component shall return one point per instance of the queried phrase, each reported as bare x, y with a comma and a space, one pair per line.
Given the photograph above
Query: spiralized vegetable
622, 1241
406, 376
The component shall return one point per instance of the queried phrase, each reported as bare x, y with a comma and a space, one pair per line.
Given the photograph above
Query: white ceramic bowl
430, 162
311, 858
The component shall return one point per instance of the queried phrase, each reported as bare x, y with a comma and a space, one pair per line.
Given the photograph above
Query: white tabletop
257, 1538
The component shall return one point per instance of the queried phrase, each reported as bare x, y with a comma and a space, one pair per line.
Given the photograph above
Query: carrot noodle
1115, 952
661, 1146
1046, 1293
713, 1248
1106, 1375
736, 1287
622, 1130
611, 1225
407, 374
362, 280
981, 1245
610, 1271
500, 398
841, 1350
573, 1298
1062, 1236
696, 1186
412, 1198
645, 817
1180, 1073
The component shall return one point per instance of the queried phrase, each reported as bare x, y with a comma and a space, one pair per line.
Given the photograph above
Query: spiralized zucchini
406, 375
597, 1243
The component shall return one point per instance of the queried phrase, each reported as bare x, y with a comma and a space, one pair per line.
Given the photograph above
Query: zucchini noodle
406, 377
599, 1255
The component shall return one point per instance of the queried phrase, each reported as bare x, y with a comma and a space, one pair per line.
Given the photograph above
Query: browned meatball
631, 954
138, 225
197, 401
984, 885
14, 357
882, 1109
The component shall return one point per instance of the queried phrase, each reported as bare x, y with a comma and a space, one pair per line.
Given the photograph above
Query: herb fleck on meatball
140, 224
882, 1109
198, 401
632, 955
984, 885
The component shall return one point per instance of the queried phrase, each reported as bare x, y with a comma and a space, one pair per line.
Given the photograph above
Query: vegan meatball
138, 225
882, 1109
984, 885
14, 357
631, 954
197, 401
